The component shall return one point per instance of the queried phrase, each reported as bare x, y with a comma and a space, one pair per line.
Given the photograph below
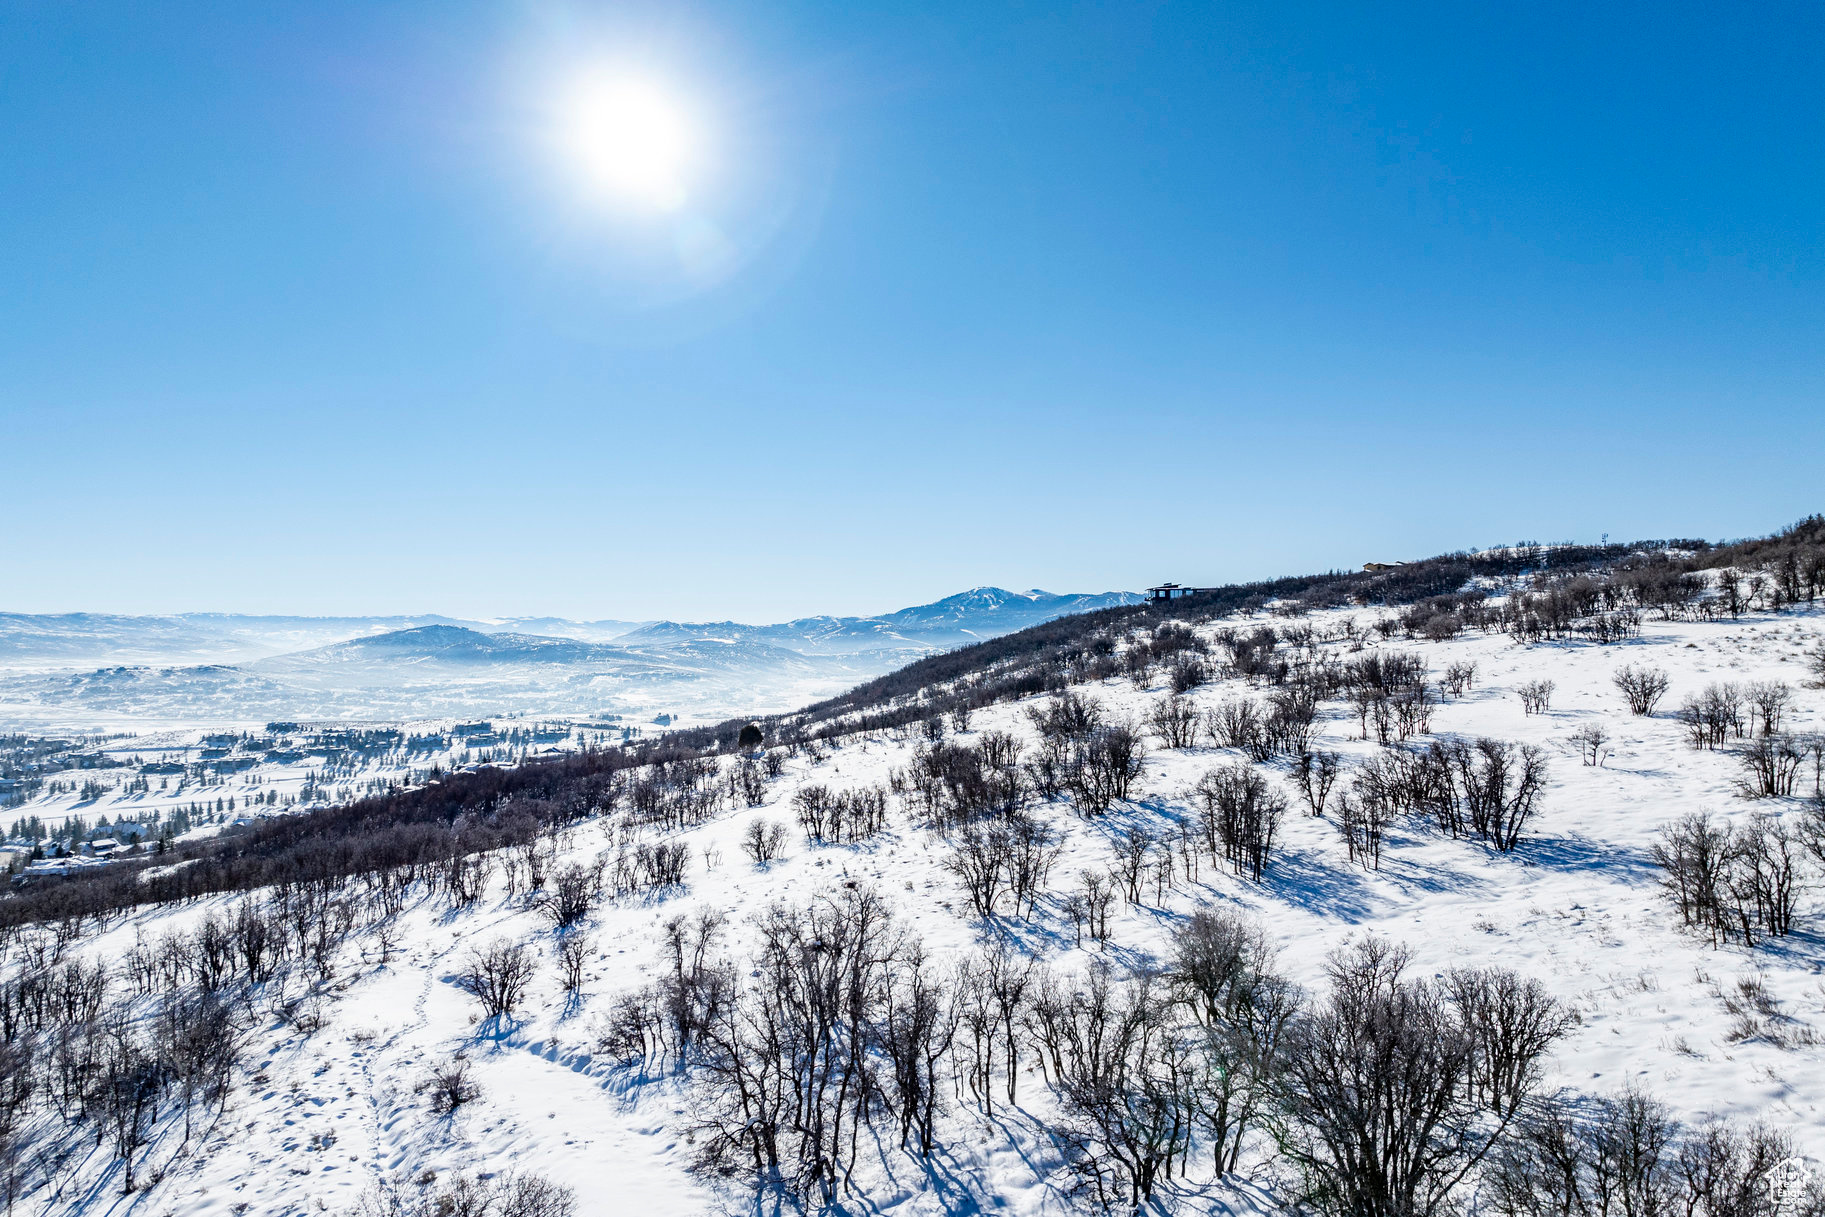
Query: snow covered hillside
366, 1073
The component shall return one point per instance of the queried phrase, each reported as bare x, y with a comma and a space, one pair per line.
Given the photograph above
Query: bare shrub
1815, 667
571, 894
636, 866
466, 877
573, 956
978, 860
1459, 677
1176, 720
764, 841
1536, 696
497, 976
747, 781
1731, 883
787, 1069
1642, 687
1512, 1021
1223, 974
451, 1085
515, 1194
953, 784
1187, 673
1695, 855
1765, 879
1132, 849
1102, 768
1625, 1154
1240, 817
916, 1034
1771, 766
1089, 906
1011, 858
991, 999
1592, 743
1362, 822
1288, 728
1316, 773
841, 817
1236, 724
1770, 701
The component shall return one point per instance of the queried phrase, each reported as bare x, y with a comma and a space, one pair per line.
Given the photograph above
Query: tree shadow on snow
1306, 880
1574, 854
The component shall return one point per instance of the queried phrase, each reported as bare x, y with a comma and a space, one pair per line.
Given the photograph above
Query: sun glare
633, 140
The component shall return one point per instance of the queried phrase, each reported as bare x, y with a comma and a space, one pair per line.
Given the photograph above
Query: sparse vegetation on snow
1396, 894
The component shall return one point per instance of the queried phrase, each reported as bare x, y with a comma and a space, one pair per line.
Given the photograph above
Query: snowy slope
319, 1117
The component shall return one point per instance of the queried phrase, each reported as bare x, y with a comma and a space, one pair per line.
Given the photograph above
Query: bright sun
633, 140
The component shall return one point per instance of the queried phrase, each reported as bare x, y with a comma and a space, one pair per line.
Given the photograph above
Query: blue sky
303, 308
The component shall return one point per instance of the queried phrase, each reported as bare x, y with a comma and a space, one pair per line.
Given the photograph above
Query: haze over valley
87, 672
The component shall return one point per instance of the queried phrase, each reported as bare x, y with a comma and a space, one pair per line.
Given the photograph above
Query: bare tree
1223, 974
917, 1032
1176, 720
1241, 817
573, 956
1642, 687
1624, 1154
1536, 696
497, 976
1316, 773
1770, 700
1591, 741
1459, 677
1393, 1099
1771, 766
1122, 1078
571, 894
764, 841
1502, 784
127, 1088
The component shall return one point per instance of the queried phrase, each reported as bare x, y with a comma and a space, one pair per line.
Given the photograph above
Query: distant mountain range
93, 671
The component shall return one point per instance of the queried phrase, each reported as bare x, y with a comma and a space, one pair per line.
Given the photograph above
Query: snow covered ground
320, 1116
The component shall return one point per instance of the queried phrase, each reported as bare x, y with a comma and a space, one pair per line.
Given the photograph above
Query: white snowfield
319, 1117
